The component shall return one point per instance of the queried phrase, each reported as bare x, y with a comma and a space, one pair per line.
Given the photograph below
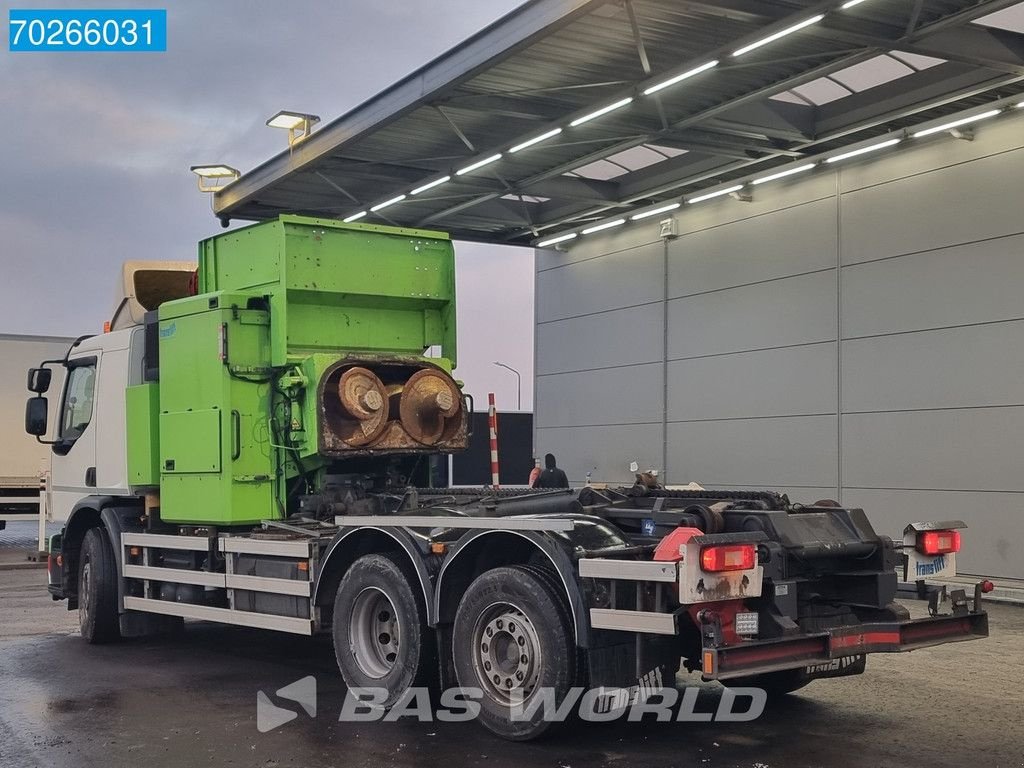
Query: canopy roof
860, 72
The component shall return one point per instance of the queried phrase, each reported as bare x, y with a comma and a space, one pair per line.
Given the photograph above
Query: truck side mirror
39, 380
36, 410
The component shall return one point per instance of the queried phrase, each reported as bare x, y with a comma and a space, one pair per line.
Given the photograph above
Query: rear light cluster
938, 542
746, 623
728, 557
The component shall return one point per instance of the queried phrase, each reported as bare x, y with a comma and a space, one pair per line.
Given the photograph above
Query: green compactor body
312, 350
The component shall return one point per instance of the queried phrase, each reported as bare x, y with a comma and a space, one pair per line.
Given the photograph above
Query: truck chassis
620, 577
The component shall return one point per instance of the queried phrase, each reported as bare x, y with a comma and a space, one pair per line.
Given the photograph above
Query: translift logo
168, 330
270, 716
937, 565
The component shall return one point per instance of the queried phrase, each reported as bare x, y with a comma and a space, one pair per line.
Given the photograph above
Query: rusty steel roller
364, 402
430, 404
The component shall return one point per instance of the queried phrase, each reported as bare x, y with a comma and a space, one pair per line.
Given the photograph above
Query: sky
95, 150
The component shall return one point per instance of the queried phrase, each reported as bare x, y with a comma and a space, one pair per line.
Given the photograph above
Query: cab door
73, 465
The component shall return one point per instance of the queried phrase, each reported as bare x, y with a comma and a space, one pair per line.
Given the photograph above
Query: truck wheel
97, 589
513, 638
380, 632
775, 684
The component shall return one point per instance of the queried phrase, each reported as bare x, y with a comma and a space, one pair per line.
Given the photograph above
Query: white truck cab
89, 455
88, 451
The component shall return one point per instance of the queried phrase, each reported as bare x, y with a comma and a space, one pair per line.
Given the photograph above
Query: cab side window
79, 396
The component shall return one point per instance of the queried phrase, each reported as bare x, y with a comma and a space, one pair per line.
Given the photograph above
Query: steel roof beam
504, 106
969, 45
660, 181
746, 10
969, 14
771, 119
665, 177
635, 188
563, 187
706, 140
995, 49
892, 101
768, 90
455, 129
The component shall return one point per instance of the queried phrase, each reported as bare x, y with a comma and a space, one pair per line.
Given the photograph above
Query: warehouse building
780, 243
857, 335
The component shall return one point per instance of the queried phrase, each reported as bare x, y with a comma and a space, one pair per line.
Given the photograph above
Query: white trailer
22, 458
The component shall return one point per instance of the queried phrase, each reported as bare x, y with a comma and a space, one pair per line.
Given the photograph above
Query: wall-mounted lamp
216, 172
298, 124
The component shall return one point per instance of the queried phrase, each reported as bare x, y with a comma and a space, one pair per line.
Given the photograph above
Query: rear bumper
760, 656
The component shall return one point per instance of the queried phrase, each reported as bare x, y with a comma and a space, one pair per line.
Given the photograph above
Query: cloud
95, 163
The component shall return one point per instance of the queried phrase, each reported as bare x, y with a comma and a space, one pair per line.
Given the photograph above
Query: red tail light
728, 557
938, 542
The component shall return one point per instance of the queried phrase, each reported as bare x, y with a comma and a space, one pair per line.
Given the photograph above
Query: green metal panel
215, 406
336, 286
190, 441
142, 418
280, 303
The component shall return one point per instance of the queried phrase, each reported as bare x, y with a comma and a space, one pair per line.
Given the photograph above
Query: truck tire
513, 637
97, 589
380, 632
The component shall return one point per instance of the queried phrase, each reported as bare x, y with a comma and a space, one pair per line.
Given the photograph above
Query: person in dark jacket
552, 476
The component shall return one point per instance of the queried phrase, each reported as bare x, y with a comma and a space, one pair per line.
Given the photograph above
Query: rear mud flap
844, 666
611, 699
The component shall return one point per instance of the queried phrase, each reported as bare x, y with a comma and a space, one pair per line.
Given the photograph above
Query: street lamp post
519, 384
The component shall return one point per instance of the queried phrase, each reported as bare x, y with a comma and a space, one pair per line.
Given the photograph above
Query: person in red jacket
534, 473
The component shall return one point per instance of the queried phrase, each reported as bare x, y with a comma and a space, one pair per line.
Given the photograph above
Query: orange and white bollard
492, 423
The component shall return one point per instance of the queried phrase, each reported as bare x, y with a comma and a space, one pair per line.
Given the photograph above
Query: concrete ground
19, 543
190, 700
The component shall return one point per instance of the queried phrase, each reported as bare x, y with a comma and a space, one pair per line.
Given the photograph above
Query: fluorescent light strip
655, 212
770, 177
479, 164
606, 225
863, 150
957, 123
602, 111
386, 203
431, 185
719, 193
784, 174
850, 4
554, 240
679, 78
536, 140
779, 34
355, 217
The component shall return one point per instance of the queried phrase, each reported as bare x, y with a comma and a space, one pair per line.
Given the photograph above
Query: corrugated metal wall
858, 335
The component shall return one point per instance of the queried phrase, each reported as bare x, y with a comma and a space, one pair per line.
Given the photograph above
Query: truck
22, 459
259, 450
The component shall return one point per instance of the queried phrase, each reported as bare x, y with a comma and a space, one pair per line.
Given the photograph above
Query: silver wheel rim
374, 633
507, 653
